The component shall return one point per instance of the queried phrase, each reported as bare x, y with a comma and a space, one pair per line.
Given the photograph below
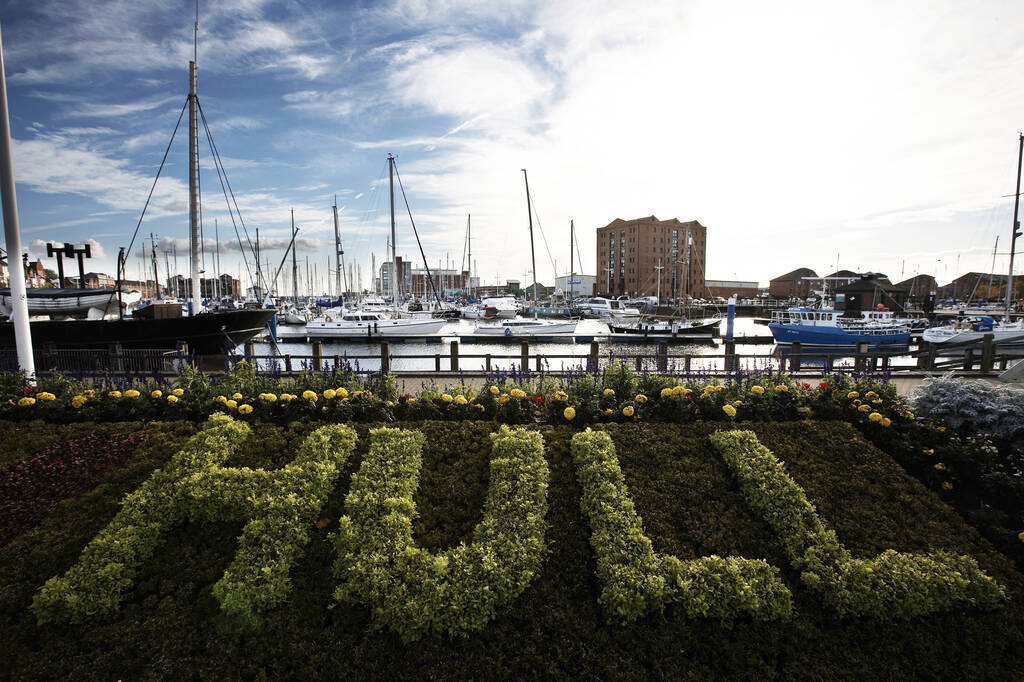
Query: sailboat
534, 327
163, 327
976, 327
365, 323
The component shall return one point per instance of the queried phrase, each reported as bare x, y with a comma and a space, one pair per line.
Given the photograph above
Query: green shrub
892, 585
636, 580
416, 592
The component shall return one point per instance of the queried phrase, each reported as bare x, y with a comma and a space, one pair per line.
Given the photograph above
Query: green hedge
635, 579
169, 624
414, 591
891, 585
279, 507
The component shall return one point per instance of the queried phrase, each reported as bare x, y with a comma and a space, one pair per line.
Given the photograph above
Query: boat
370, 324
821, 327
515, 328
204, 333
975, 328
607, 308
534, 327
93, 304
501, 307
654, 328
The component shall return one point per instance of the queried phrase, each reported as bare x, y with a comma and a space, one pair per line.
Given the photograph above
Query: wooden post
686, 363
385, 357
968, 358
731, 362
861, 356
487, 363
540, 359
250, 350
453, 348
662, 357
116, 357
437, 362
524, 355
988, 352
337, 362
593, 357
318, 360
795, 356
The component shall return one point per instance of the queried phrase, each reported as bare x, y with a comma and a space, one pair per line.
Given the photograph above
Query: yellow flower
939, 466
517, 393
561, 396
89, 393
172, 398
870, 394
244, 409
309, 395
640, 398
757, 390
569, 413
729, 410
479, 407
330, 393
628, 410
886, 422
874, 416
946, 485
460, 400
287, 397
26, 402
864, 408
908, 414
856, 402
1020, 536
681, 390
47, 397
852, 394
78, 401
231, 404
781, 388
494, 390
446, 398
236, 396
131, 393
178, 392
609, 392
502, 399
323, 409
341, 392
667, 392
940, 428
737, 403
876, 401
221, 399
929, 451
367, 394
156, 394
114, 394
269, 397
609, 412
389, 403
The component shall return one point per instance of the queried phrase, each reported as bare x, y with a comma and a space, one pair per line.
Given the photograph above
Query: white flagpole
19, 299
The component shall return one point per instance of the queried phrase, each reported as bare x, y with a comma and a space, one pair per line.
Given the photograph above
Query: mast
295, 268
339, 261
572, 264
156, 271
193, 185
533, 259
1014, 232
394, 262
216, 237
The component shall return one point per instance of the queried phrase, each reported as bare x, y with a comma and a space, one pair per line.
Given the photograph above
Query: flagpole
12, 234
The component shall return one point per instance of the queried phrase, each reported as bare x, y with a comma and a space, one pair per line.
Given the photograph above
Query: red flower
823, 385
806, 385
538, 399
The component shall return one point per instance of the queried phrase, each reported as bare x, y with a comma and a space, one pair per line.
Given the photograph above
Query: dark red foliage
33, 488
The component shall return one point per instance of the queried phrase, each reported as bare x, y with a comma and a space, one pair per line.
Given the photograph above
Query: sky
870, 136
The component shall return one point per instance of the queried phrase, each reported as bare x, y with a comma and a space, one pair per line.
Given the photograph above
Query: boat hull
652, 331
321, 329
834, 336
205, 334
527, 330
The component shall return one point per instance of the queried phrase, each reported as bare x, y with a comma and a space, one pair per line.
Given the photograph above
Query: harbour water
420, 355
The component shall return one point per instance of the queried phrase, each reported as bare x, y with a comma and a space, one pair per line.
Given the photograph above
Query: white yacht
366, 323
974, 328
525, 328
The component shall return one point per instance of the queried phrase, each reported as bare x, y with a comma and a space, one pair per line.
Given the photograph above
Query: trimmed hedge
414, 591
194, 486
636, 579
891, 585
169, 623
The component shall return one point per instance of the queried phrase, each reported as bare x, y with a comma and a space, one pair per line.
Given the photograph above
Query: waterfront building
581, 285
793, 284
717, 288
642, 256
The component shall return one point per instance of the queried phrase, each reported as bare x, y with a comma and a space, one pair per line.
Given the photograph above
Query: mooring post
385, 357
453, 348
250, 350
861, 356
288, 363
988, 352
795, 356
524, 355
662, 357
968, 358
318, 359
731, 361
592, 358
487, 363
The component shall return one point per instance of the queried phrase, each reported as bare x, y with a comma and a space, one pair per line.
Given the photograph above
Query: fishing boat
654, 328
821, 327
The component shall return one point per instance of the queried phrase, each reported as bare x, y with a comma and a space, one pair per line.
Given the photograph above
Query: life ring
328, 318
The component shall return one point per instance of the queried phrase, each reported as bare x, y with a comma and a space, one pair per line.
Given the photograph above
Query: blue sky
880, 136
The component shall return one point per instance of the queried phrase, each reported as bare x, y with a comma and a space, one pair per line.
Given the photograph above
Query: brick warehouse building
628, 253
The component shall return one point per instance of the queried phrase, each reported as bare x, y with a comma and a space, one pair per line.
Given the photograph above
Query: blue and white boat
826, 327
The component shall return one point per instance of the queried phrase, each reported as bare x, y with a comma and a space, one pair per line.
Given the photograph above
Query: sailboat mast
338, 252
533, 258
572, 263
193, 184
295, 268
394, 262
1015, 232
